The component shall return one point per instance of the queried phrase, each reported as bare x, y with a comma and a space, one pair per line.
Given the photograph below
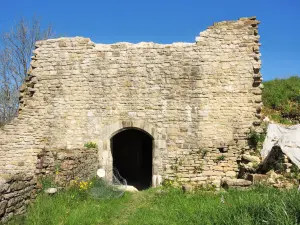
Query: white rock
131, 189
51, 190
127, 188
236, 182
101, 173
251, 158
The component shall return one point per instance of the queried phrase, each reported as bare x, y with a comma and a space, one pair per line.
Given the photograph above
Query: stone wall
66, 165
15, 193
197, 100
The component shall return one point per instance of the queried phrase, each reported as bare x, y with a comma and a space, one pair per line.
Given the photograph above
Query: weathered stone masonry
66, 165
16, 192
197, 100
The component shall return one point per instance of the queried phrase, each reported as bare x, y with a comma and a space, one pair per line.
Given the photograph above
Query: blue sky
166, 21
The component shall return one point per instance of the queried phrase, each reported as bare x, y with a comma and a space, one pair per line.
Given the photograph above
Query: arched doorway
132, 156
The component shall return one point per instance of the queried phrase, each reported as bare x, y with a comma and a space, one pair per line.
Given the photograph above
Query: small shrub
203, 152
46, 182
255, 138
90, 145
220, 158
57, 168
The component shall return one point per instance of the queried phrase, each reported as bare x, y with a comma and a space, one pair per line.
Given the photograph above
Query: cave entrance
132, 157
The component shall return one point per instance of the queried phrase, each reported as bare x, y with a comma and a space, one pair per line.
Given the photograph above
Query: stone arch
159, 145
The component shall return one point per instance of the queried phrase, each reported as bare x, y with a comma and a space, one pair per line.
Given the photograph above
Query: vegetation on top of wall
281, 99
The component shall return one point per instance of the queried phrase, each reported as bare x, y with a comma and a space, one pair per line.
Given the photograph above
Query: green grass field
260, 205
281, 98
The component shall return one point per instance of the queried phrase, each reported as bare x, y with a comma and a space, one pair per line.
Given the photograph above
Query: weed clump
90, 145
256, 138
220, 158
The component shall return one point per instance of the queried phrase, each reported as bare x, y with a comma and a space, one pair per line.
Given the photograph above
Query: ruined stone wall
66, 165
200, 99
16, 192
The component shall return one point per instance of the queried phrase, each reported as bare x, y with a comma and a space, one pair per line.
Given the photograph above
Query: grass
260, 205
90, 145
281, 98
276, 115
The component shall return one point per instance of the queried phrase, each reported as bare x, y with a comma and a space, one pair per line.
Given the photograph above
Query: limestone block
251, 158
187, 188
3, 185
199, 178
14, 200
257, 178
236, 182
212, 173
3, 205
18, 185
217, 183
51, 191
230, 174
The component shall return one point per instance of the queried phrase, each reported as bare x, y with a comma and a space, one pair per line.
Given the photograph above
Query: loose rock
51, 191
251, 158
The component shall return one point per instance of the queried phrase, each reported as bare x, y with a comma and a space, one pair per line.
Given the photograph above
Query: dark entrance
132, 157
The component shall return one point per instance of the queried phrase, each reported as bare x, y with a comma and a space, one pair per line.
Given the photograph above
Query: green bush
255, 138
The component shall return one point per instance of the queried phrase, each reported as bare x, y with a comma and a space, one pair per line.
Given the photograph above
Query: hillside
281, 98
